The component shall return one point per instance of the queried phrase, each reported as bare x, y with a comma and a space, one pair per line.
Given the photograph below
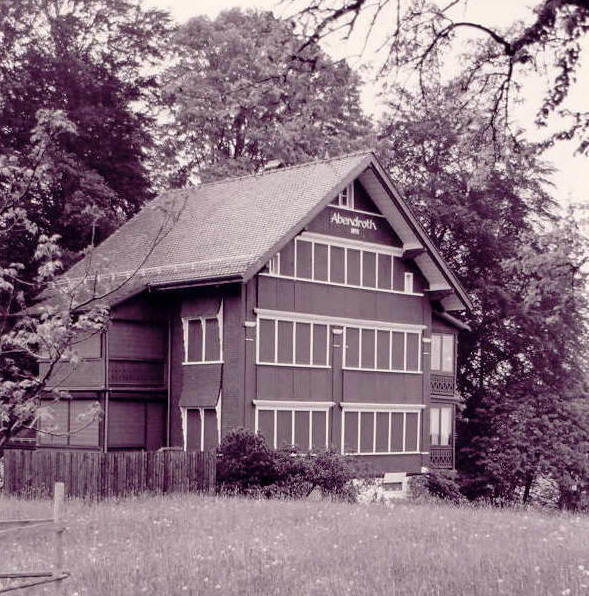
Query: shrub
247, 466
440, 484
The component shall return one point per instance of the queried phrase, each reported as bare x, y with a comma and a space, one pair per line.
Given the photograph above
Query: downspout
106, 390
169, 380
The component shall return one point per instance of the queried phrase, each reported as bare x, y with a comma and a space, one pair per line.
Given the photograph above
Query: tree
520, 368
240, 96
72, 308
425, 34
87, 58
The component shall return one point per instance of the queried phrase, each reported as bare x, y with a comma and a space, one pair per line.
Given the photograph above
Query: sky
572, 175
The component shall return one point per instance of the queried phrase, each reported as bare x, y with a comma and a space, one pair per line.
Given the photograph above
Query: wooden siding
85, 374
135, 424
321, 299
381, 387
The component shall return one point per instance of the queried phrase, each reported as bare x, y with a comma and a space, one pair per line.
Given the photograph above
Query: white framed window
441, 422
345, 197
442, 352
201, 428
274, 265
289, 341
203, 339
382, 349
372, 429
341, 262
299, 423
408, 283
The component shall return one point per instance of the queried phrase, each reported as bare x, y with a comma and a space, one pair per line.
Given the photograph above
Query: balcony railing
442, 384
442, 457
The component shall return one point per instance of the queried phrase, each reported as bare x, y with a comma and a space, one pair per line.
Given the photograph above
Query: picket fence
103, 475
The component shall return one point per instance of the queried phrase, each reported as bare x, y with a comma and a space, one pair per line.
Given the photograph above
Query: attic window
345, 197
274, 265
408, 283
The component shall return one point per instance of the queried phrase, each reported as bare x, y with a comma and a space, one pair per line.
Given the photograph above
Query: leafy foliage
521, 367
425, 35
240, 96
248, 466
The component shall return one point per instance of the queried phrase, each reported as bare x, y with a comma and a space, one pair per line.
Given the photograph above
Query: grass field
203, 545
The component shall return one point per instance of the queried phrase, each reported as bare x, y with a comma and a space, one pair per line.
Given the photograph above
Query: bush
440, 484
247, 466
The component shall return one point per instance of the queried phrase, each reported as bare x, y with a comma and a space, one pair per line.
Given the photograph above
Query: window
68, 422
303, 424
380, 429
274, 265
292, 342
442, 352
200, 428
339, 262
345, 198
408, 283
368, 348
441, 425
203, 339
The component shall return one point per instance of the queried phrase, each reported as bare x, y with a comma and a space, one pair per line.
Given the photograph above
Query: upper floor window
331, 263
291, 342
368, 348
442, 352
440, 426
274, 264
408, 283
345, 198
203, 341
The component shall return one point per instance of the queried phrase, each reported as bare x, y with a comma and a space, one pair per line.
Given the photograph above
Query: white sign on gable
355, 224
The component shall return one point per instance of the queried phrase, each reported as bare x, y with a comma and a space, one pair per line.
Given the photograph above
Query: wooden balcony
442, 384
442, 458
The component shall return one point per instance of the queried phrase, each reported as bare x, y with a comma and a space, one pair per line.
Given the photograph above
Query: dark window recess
383, 350
352, 347
369, 269
320, 262
287, 260
337, 265
411, 432
382, 432
384, 272
266, 425
366, 431
212, 340
304, 268
319, 438
266, 347
320, 344
303, 343
285, 337
195, 341
353, 267
351, 432
283, 428
398, 351
368, 348
301, 438
412, 351
396, 432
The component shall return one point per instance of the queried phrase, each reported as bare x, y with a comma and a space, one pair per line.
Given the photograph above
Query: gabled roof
228, 230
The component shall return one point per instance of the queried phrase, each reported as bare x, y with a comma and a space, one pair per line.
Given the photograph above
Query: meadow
190, 544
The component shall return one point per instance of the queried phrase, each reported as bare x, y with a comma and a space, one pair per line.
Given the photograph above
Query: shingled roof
221, 230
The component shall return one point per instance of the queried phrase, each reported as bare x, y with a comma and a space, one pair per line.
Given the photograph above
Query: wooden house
305, 303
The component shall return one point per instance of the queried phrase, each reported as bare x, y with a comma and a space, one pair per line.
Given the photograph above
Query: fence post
58, 494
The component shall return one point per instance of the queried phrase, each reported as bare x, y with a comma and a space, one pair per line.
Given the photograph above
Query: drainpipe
106, 390
169, 380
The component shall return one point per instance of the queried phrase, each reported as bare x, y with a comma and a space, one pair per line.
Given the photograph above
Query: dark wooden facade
328, 346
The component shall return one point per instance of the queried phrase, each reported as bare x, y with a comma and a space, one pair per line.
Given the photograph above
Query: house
305, 303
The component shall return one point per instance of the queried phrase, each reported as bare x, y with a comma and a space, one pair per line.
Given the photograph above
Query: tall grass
203, 545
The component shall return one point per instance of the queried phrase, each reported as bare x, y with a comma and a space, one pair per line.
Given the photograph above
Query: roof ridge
278, 170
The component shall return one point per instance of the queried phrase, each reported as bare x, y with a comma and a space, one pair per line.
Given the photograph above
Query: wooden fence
102, 475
